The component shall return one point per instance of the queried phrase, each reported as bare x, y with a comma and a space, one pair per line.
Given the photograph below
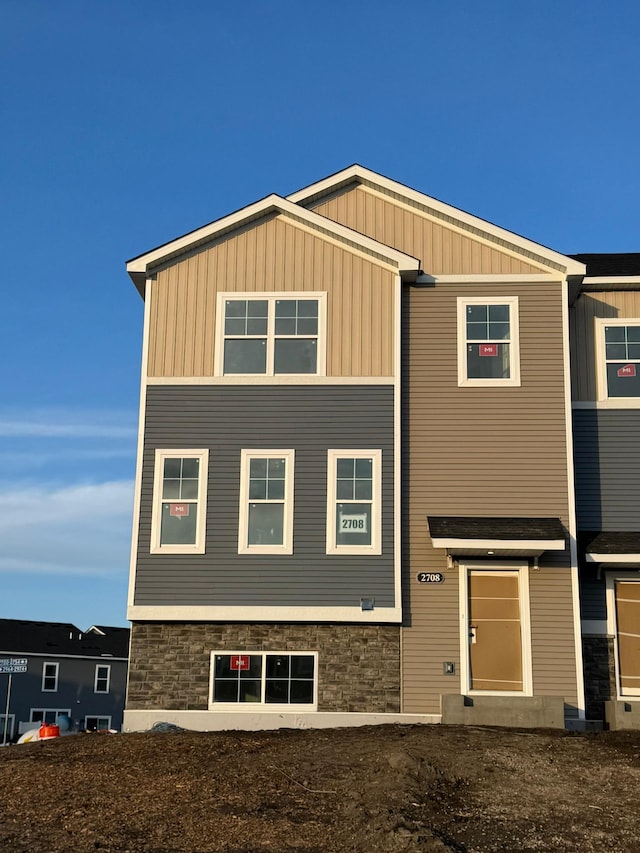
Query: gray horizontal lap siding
607, 469
226, 420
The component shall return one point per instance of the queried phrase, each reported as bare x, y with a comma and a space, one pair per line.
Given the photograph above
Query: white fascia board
211, 613
356, 172
501, 544
613, 558
277, 204
611, 280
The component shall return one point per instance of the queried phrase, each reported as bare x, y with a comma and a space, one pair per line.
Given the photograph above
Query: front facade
77, 675
355, 472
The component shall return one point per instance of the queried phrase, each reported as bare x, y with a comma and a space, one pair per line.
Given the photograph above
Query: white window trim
501, 568
243, 526
59, 712
601, 363
262, 705
514, 341
97, 717
100, 666
375, 548
45, 664
156, 517
612, 625
269, 377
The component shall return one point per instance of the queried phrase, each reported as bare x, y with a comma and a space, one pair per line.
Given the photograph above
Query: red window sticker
488, 349
179, 510
239, 662
627, 370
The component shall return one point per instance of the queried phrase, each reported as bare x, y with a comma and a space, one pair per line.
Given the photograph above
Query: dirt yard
379, 790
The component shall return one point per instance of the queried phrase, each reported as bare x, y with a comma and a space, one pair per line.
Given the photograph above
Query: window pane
275, 490
308, 308
278, 666
346, 468
190, 468
364, 468
295, 356
353, 524
245, 356
286, 326
257, 308
172, 468
488, 361
302, 666
225, 691
276, 691
616, 351
307, 326
623, 380
257, 326
189, 489
301, 692
235, 326
258, 468
276, 468
477, 313
613, 334
498, 331
266, 524
286, 308
633, 350
178, 529
250, 691
633, 334
364, 490
498, 313
236, 308
477, 331
257, 490
345, 490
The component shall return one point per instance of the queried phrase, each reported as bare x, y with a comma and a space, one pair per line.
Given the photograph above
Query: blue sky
125, 124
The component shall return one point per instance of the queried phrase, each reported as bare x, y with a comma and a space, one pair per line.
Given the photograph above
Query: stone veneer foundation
599, 674
358, 665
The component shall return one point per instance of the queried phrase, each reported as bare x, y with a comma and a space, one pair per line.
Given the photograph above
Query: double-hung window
102, 679
246, 679
274, 335
179, 502
619, 368
488, 341
50, 677
266, 502
354, 502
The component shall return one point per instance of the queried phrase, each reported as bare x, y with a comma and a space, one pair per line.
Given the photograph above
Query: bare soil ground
388, 789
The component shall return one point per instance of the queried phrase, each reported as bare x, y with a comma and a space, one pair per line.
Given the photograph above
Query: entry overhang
468, 536
621, 548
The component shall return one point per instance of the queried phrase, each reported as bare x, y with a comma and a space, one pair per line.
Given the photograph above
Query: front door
495, 631
628, 636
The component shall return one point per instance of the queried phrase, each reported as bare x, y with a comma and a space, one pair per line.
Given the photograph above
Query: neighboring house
605, 330
355, 472
79, 674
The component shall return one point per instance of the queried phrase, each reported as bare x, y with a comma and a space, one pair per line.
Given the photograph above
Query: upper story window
266, 502
354, 502
50, 677
179, 501
103, 676
619, 367
275, 335
488, 341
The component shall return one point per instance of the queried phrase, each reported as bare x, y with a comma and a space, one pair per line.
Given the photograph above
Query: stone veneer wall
599, 674
358, 665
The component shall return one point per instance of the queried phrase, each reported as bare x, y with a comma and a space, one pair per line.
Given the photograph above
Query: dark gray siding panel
607, 468
593, 594
226, 420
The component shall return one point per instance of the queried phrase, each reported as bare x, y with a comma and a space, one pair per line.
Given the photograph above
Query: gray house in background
81, 674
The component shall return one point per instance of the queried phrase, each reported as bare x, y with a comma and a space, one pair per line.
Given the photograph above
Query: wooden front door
628, 630
495, 631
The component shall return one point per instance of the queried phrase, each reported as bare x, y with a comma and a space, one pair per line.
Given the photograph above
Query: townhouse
354, 493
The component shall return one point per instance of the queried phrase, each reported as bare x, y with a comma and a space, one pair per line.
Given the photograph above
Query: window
619, 343
272, 335
264, 678
179, 502
266, 502
7, 725
97, 724
354, 499
488, 345
49, 715
50, 677
103, 676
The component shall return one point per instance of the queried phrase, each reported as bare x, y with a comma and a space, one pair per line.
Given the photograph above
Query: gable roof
140, 266
612, 264
359, 175
18, 636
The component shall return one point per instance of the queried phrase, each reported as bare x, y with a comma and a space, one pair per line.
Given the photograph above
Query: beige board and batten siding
612, 305
273, 255
482, 451
444, 248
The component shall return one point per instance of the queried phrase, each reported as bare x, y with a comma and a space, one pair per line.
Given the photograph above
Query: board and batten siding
443, 248
482, 451
607, 469
273, 255
226, 420
612, 305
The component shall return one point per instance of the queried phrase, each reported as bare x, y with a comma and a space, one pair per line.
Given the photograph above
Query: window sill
178, 549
